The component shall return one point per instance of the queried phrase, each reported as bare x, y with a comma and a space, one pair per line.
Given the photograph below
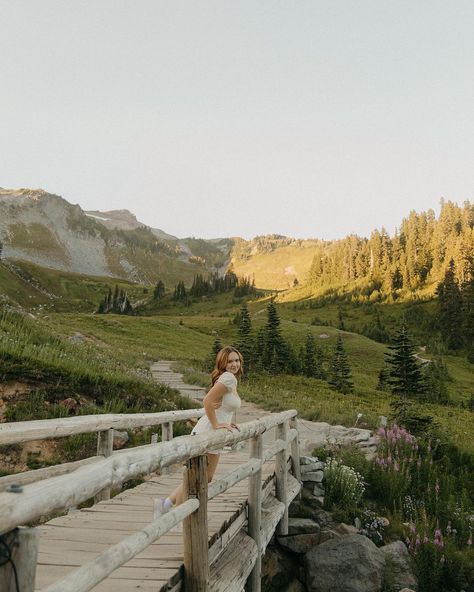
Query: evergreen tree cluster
116, 302
456, 310
418, 253
180, 294
214, 284
269, 352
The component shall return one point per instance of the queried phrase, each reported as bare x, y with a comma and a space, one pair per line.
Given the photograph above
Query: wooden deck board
70, 541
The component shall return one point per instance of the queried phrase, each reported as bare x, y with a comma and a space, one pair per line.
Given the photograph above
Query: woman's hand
227, 426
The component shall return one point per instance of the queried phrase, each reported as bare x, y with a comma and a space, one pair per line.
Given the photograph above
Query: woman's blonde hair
222, 360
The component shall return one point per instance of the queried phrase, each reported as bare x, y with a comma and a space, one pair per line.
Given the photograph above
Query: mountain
47, 230
125, 220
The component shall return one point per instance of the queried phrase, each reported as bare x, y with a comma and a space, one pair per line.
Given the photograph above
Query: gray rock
302, 526
317, 466
322, 517
278, 569
318, 490
308, 460
299, 543
343, 528
316, 476
328, 533
349, 563
120, 438
398, 566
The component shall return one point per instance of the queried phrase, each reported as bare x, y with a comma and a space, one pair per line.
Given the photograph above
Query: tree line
212, 285
417, 255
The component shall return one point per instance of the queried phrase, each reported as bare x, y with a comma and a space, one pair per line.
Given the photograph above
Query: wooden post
255, 515
166, 435
105, 444
195, 533
23, 545
281, 481
154, 438
295, 454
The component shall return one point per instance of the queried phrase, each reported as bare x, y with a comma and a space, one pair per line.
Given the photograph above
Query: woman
220, 403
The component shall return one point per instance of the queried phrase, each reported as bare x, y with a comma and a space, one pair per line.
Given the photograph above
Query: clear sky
308, 118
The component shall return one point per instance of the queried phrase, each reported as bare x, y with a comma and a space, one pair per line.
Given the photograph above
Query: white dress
230, 403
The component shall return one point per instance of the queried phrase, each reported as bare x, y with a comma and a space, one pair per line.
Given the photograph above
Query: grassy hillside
29, 286
111, 345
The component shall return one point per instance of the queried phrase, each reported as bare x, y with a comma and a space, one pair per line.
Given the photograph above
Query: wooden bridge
116, 544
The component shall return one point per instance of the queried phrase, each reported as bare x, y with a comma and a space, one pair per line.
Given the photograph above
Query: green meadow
66, 343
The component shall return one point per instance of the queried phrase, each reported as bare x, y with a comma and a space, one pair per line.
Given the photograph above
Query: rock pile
321, 555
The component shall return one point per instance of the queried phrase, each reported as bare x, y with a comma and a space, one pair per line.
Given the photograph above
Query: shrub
342, 485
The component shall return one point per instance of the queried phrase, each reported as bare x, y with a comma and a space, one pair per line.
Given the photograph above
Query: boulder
350, 563
308, 460
120, 438
278, 569
318, 490
302, 526
299, 543
398, 566
328, 533
316, 466
343, 528
316, 476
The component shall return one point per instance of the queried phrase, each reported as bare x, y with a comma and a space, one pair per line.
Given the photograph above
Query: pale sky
307, 118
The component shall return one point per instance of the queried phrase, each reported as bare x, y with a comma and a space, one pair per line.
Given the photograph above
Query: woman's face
233, 363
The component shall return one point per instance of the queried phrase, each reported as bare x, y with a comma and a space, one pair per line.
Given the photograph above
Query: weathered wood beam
166, 436
46, 473
255, 513
281, 483
26, 431
225, 482
195, 532
295, 451
105, 445
89, 575
67, 491
23, 543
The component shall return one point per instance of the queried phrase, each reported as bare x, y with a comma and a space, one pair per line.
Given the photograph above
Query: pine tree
383, 377
340, 372
272, 348
436, 375
210, 361
405, 377
449, 308
115, 300
467, 313
311, 359
245, 341
159, 290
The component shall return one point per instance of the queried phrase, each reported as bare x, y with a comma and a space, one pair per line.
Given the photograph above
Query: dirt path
312, 434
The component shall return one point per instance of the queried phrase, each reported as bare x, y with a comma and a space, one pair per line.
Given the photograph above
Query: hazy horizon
315, 120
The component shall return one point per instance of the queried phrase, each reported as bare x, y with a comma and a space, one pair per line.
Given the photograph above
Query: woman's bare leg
177, 495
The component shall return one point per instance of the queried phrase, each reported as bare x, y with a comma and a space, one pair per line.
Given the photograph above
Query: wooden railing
57, 493
104, 425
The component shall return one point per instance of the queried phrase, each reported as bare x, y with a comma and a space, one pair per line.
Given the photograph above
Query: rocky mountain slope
45, 229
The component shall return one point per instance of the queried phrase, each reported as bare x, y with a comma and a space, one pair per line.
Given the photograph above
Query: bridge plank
69, 541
